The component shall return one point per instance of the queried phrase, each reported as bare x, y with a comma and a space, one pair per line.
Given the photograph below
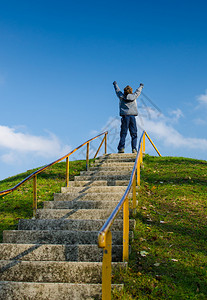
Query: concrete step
84, 225
120, 159
94, 189
117, 160
106, 164
106, 173
109, 177
88, 196
111, 168
86, 214
98, 183
117, 156
10, 290
65, 237
52, 252
53, 271
88, 183
74, 204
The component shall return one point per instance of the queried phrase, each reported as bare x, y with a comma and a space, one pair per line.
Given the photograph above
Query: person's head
127, 90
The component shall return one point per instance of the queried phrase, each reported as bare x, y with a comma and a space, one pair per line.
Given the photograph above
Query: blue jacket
128, 104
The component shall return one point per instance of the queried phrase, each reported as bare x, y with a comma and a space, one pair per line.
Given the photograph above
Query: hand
114, 82
141, 84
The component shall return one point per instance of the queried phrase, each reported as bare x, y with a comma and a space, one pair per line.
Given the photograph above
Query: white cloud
176, 114
163, 131
160, 128
15, 144
202, 99
170, 137
112, 123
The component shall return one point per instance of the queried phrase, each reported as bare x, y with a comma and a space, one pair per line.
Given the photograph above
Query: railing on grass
105, 236
34, 174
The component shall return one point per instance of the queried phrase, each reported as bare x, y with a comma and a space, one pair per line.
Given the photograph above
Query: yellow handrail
104, 236
152, 143
34, 174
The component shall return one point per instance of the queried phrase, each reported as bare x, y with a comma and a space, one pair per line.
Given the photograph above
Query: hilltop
169, 252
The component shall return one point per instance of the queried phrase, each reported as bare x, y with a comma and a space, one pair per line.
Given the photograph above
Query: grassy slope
169, 252
18, 205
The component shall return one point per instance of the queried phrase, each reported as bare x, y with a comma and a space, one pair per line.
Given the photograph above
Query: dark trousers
128, 122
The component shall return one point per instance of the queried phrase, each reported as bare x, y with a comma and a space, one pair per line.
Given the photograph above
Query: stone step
120, 159
99, 183
53, 271
117, 156
106, 173
86, 214
10, 290
66, 237
84, 225
52, 252
103, 177
111, 168
88, 196
88, 183
80, 204
117, 160
103, 164
94, 189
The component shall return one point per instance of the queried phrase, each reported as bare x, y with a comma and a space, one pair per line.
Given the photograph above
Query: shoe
121, 150
134, 150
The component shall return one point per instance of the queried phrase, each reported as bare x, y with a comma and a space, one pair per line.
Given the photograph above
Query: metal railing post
138, 171
141, 159
34, 195
153, 144
106, 268
126, 230
105, 143
100, 147
134, 204
144, 143
67, 171
87, 157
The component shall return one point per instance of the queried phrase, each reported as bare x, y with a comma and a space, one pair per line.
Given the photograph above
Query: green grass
169, 251
18, 205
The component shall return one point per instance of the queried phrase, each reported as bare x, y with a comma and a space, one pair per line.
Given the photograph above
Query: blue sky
58, 60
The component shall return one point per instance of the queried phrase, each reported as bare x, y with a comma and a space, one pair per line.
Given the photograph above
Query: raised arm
139, 90
117, 90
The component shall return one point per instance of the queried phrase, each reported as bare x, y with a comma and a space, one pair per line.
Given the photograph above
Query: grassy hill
169, 252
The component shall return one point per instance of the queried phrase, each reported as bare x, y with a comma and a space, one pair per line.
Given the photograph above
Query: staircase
55, 255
